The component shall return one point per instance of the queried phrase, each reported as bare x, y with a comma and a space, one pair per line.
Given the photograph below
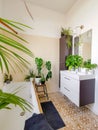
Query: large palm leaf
11, 98
8, 57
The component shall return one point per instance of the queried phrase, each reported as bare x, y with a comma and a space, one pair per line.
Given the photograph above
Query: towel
37, 122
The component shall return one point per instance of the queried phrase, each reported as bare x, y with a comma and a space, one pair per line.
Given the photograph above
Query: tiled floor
75, 118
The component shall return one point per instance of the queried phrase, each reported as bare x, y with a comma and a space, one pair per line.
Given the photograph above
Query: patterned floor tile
74, 117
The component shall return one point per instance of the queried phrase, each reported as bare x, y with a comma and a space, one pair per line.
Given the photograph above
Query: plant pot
42, 82
31, 79
37, 81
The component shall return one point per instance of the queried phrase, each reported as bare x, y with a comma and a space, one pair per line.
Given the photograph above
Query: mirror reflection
82, 45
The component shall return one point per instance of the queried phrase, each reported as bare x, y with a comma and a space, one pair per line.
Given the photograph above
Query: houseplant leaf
12, 43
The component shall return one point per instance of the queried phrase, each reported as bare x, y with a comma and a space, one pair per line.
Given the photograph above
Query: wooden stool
44, 90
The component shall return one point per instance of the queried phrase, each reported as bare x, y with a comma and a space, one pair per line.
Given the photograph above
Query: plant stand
42, 90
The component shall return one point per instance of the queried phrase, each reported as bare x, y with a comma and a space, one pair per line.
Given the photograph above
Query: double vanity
78, 87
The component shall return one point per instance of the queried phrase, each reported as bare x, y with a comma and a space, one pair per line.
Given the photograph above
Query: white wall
85, 13
46, 22
0, 8
43, 39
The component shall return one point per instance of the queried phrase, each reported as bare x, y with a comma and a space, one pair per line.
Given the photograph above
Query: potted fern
67, 33
30, 76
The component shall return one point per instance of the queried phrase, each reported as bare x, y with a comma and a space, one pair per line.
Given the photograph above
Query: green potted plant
74, 62
88, 65
68, 33
30, 76
39, 65
48, 73
43, 70
43, 79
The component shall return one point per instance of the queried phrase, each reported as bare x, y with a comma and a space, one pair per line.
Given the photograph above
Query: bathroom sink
78, 75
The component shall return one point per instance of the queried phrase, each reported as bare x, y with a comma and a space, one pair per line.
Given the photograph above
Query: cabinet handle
66, 78
67, 89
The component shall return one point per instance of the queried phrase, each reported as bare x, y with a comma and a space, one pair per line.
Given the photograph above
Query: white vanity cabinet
79, 88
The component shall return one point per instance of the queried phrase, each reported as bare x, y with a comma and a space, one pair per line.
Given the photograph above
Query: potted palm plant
8, 57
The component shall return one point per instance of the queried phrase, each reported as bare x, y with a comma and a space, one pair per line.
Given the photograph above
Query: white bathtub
11, 119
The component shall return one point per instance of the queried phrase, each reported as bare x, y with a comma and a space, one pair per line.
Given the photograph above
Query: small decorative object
7, 78
74, 62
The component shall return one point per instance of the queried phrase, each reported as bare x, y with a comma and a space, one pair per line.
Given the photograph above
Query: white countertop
78, 75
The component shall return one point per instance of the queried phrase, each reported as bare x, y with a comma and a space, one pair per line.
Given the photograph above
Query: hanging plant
68, 34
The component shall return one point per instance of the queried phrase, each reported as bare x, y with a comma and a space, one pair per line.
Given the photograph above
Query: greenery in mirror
9, 58
74, 61
87, 64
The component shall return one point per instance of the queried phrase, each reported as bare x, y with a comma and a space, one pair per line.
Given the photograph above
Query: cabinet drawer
74, 86
66, 92
75, 98
71, 84
79, 89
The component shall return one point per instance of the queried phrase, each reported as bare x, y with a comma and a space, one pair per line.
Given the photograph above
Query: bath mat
52, 115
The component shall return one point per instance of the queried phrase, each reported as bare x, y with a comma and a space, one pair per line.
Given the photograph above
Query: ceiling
61, 6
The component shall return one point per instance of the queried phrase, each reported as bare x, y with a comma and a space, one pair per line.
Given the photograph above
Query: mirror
82, 45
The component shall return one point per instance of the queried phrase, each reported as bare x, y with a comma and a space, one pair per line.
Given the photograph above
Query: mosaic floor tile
74, 117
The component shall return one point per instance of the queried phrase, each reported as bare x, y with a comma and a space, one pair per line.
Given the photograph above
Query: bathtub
12, 119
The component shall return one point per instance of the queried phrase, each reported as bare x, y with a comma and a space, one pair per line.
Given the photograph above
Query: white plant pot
84, 70
37, 81
31, 79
